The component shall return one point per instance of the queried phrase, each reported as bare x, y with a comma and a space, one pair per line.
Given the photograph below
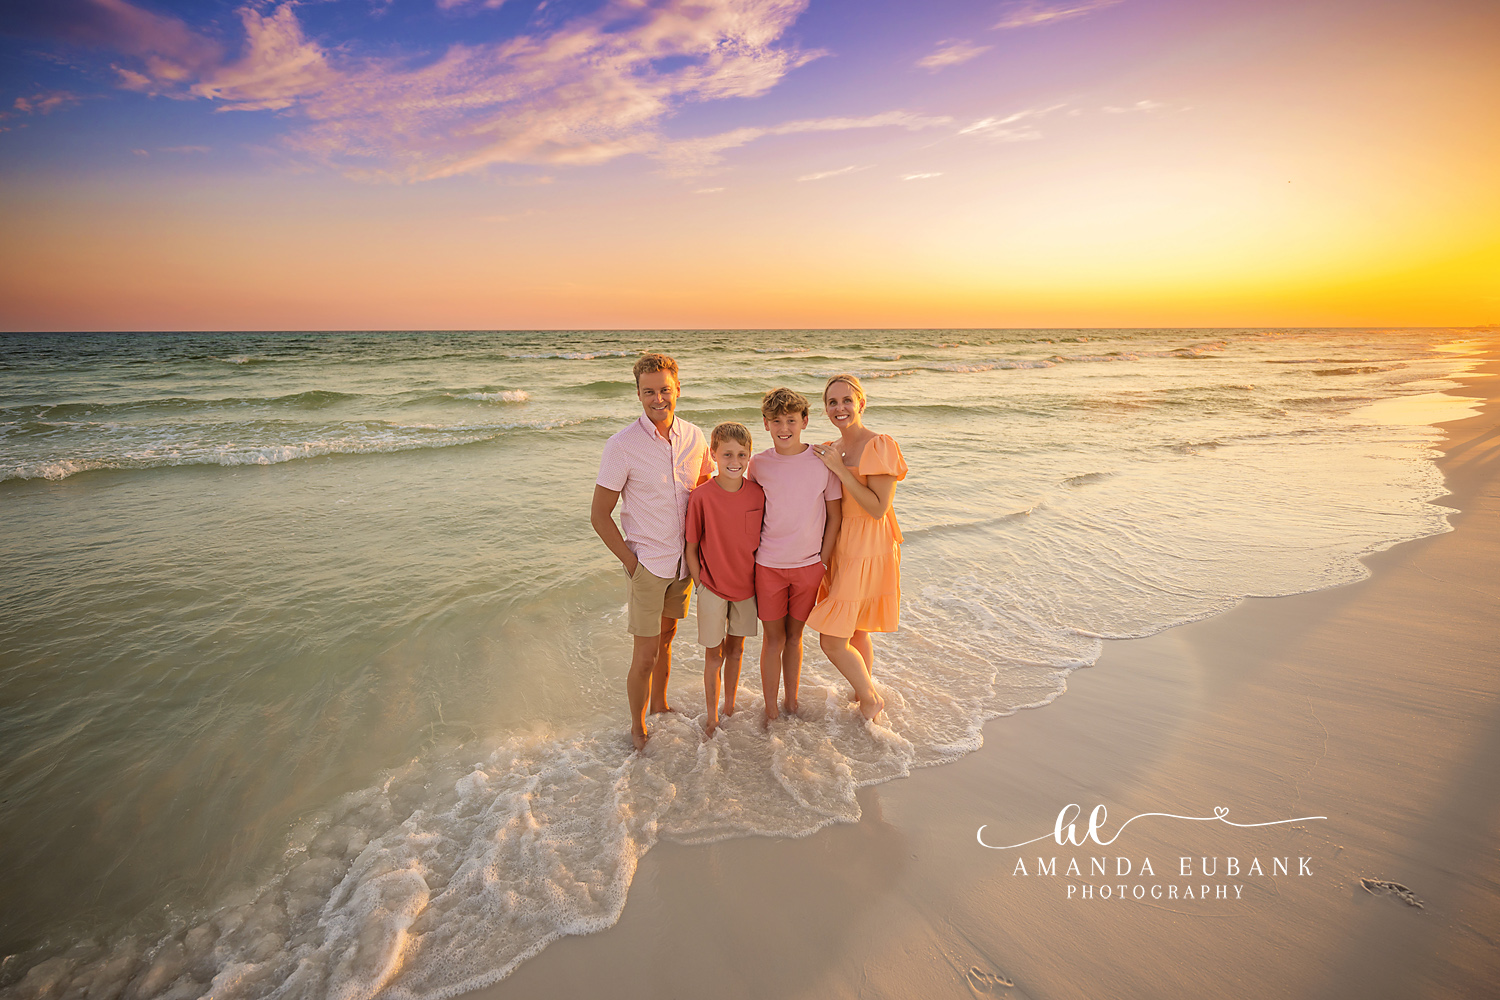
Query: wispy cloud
690, 156
1146, 106
46, 102
1018, 127
453, 4
829, 173
951, 52
920, 177
587, 91
1031, 13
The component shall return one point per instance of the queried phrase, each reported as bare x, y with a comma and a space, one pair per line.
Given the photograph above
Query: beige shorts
651, 599
716, 617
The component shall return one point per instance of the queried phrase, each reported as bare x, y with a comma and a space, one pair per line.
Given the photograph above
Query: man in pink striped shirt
653, 464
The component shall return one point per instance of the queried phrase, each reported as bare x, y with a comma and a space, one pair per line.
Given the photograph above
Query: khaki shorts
717, 616
651, 599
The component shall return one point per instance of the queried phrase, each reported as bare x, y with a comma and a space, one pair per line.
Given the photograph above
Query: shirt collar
650, 428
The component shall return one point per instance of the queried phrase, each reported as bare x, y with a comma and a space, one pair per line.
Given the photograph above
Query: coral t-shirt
726, 527
796, 488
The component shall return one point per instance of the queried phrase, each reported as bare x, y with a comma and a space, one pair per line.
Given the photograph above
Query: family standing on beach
796, 535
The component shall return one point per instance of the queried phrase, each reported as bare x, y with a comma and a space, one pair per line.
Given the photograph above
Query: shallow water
311, 669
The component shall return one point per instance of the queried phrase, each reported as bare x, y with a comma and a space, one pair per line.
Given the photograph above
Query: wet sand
1376, 705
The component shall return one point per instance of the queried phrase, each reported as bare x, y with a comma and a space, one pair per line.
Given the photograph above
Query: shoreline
1281, 707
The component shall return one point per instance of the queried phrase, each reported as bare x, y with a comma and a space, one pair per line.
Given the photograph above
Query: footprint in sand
1380, 887
986, 982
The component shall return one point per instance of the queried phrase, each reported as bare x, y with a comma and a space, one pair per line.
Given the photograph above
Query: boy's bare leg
662, 668
770, 665
713, 659
847, 659
638, 684
734, 657
866, 648
791, 662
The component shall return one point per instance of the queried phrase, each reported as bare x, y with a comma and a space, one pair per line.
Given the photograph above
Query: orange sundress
862, 590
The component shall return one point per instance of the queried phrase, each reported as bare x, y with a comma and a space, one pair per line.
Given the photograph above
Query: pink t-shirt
796, 486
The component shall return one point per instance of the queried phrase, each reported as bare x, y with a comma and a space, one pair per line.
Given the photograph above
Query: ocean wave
576, 355
152, 448
314, 399
503, 396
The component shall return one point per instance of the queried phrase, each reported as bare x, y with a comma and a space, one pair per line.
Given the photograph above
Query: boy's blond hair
655, 363
782, 400
730, 430
853, 380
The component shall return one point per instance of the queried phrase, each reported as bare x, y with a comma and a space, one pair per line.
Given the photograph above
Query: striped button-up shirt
654, 477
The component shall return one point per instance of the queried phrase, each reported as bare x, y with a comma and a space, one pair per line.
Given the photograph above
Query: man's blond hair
782, 400
730, 430
655, 363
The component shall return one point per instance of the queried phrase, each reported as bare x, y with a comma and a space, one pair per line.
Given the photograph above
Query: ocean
312, 669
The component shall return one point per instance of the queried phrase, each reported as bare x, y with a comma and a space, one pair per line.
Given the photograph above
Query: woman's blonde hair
853, 380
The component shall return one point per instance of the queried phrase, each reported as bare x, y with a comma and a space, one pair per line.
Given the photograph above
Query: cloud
830, 173
279, 68
920, 177
1018, 127
587, 90
690, 156
1146, 106
45, 102
1031, 13
708, 191
950, 53
454, 4
184, 149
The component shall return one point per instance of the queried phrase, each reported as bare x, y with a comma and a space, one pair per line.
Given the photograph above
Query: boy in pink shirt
796, 541
723, 531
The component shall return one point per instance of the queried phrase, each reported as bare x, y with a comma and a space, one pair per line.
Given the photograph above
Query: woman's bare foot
767, 718
639, 739
874, 707
664, 707
790, 707
727, 710
710, 729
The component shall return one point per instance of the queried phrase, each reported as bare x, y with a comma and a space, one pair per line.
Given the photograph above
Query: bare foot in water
790, 707
767, 718
664, 708
727, 710
874, 708
710, 728
639, 739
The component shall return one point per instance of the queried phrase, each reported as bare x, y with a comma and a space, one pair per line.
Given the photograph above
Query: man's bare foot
639, 739
874, 707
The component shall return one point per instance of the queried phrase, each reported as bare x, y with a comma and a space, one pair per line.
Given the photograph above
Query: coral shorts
782, 592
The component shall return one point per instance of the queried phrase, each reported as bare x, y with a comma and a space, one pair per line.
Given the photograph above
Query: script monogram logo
1065, 830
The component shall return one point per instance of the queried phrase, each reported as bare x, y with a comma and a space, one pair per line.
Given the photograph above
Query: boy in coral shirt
723, 531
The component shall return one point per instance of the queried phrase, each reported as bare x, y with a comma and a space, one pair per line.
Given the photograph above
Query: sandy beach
1375, 704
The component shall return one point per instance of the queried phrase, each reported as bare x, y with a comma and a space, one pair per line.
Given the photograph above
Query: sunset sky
479, 164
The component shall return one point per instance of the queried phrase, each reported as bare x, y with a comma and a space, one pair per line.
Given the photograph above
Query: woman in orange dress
862, 591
